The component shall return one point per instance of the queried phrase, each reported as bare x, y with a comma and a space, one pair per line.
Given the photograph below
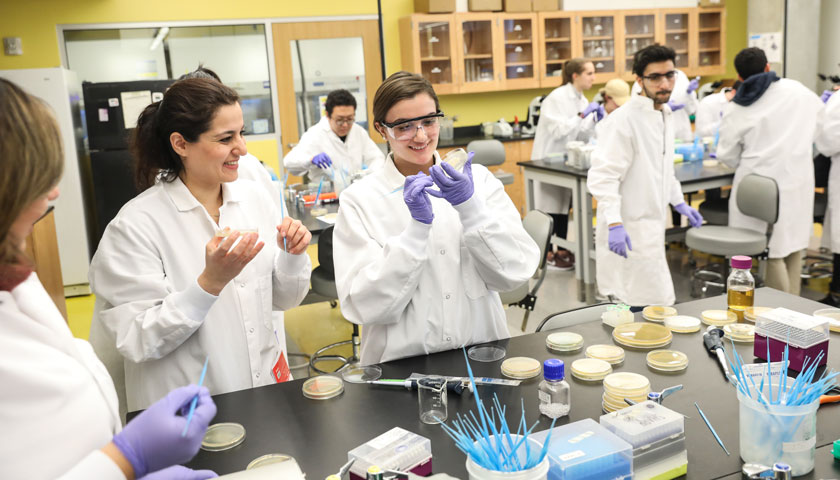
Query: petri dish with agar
269, 459
356, 373
623, 385
833, 316
740, 332
521, 368
718, 318
611, 354
667, 360
564, 341
683, 324
486, 353
323, 387
223, 436
590, 369
751, 313
642, 335
457, 158
658, 313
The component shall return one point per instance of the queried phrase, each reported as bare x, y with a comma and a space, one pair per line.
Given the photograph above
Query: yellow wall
35, 22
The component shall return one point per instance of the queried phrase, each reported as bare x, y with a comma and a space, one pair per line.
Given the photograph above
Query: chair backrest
588, 313
539, 226
758, 196
325, 251
487, 152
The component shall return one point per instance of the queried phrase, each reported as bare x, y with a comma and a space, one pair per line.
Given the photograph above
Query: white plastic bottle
554, 390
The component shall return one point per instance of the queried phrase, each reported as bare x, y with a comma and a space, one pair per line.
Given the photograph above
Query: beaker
778, 433
431, 397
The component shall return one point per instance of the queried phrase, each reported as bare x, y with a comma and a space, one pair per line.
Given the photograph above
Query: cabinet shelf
518, 64
598, 37
710, 49
640, 35
557, 62
518, 42
557, 39
434, 59
684, 30
681, 52
708, 29
601, 59
477, 56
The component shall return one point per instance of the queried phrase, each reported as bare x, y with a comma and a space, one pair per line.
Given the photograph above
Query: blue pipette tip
195, 398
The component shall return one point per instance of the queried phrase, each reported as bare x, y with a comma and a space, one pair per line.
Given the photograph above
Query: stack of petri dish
682, 324
751, 313
739, 332
642, 335
521, 368
718, 318
833, 316
617, 316
564, 342
590, 369
658, 313
624, 385
323, 387
611, 354
667, 360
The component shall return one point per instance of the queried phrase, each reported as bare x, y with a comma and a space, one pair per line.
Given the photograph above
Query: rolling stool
323, 284
758, 197
490, 153
709, 278
820, 265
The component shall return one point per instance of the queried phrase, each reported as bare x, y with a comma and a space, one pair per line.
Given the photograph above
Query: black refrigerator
111, 110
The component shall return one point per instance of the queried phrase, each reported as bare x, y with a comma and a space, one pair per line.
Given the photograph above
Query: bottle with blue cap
555, 400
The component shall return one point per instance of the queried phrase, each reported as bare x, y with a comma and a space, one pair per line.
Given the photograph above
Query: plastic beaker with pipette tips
318, 209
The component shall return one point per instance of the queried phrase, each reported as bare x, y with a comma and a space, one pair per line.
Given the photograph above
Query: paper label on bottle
572, 455
544, 397
800, 446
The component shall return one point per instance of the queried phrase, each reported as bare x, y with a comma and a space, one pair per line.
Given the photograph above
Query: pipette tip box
805, 335
657, 435
396, 449
584, 450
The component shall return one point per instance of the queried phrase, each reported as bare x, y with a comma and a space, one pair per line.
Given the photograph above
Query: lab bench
319, 433
693, 177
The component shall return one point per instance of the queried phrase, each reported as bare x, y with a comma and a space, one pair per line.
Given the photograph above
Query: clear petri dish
642, 335
457, 158
667, 360
683, 323
242, 231
617, 317
751, 313
269, 459
564, 341
323, 387
623, 384
718, 318
486, 353
222, 436
611, 354
521, 368
740, 332
361, 373
590, 369
833, 316
658, 313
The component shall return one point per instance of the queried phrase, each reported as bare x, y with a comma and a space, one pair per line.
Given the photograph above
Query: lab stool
820, 265
488, 153
715, 211
710, 279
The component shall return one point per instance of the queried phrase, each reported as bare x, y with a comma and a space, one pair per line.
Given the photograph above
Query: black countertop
462, 141
686, 172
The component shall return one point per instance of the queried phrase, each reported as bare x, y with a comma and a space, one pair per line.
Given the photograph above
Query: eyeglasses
344, 120
657, 77
407, 129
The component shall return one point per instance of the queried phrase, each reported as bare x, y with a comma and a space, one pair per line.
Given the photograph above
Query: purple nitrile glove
675, 106
153, 440
693, 85
416, 199
589, 109
694, 217
600, 113
826, 95
456, 187
322, 160
619, 241
180, 472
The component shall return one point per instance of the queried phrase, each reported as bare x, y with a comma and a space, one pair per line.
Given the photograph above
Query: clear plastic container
396, 449
740, 286
554, 394
539, 472
584, 450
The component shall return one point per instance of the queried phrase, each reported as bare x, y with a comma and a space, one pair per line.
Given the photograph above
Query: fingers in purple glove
180, 472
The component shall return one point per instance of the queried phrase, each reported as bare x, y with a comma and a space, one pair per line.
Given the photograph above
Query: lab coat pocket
474, 285
265, 299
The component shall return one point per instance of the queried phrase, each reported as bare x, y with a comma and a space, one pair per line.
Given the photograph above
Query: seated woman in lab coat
58, 407
193, 266
421, 249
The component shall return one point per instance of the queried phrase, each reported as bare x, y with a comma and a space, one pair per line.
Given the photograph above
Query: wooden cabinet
42, 248
480, 52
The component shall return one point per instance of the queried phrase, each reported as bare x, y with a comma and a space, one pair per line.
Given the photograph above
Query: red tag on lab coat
281, 370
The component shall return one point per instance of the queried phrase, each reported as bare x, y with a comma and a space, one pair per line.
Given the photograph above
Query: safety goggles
657, 77
344, 120
407, 129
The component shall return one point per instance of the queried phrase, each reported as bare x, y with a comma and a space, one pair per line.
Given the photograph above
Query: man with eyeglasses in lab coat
335, 147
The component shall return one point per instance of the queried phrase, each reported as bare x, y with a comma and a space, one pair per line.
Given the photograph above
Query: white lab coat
774, 137
828, 143
57, 403
419, 288
632, 177
559, 123
250, 168
348, 157
682, 122
149, 304
709, 114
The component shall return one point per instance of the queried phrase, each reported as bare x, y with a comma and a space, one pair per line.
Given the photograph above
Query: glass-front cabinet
556, 30
480, 64
428, 48
597, 43
519, 37
711, 41
641, 29
676, 24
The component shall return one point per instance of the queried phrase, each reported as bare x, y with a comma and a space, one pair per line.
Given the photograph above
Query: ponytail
575, 65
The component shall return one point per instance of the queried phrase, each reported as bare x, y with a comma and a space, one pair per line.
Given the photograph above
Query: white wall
116, 60
329, 57
829, 55
803, 41
625, 4
236, 58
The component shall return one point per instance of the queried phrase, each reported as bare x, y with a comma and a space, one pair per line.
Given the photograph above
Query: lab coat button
251, 330
448, 339
242, 284
447, 297
443, 252
257, 375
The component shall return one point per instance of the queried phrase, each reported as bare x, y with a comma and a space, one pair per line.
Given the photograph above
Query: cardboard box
711, 3
546, 5
485, 5
434, 6
517, 5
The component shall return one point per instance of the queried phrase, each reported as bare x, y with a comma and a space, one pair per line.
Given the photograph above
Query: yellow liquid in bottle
738, 299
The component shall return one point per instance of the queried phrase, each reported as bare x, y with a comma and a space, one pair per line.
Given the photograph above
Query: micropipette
714, 345
456, 386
